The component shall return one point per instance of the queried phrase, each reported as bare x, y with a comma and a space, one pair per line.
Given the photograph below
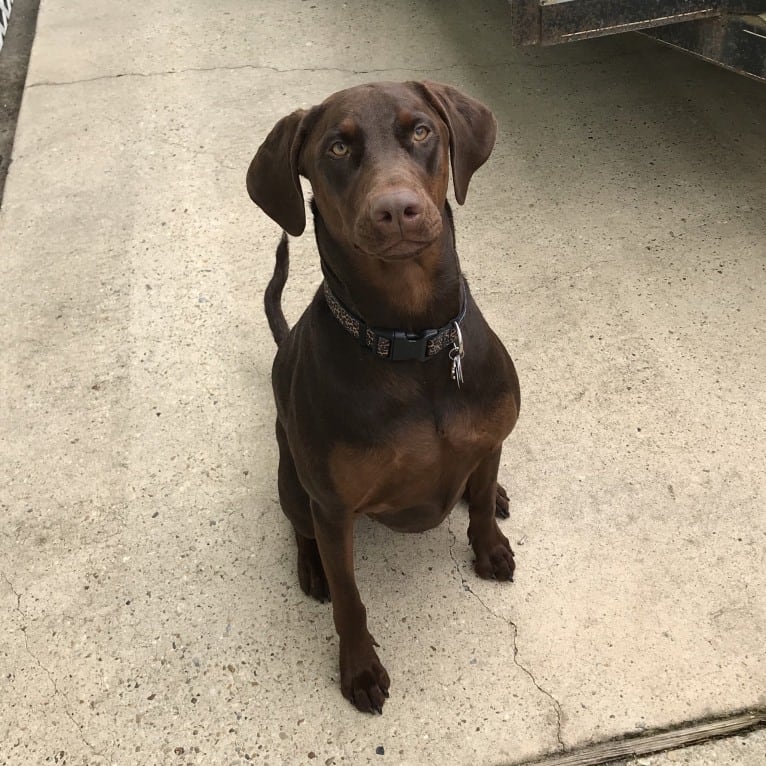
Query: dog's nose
397, 212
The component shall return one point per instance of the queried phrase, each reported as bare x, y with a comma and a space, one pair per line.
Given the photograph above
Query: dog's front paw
494, 560
363, 680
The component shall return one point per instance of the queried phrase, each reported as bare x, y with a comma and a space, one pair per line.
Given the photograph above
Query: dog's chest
423, 462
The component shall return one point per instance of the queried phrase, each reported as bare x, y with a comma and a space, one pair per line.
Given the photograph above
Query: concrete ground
616, 242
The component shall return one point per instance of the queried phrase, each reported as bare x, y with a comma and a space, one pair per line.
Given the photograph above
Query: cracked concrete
57, 693
151, 612
466, 584
336, 70
431, 71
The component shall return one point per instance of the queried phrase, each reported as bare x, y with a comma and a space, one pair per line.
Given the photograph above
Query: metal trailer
731, 33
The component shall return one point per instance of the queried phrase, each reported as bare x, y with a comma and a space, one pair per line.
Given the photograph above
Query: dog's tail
272, 298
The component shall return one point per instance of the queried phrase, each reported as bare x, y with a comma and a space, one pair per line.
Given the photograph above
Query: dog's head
377, 157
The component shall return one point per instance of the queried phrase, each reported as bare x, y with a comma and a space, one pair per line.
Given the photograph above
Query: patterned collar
398, 345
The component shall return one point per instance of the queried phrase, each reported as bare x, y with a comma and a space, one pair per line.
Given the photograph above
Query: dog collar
398, 345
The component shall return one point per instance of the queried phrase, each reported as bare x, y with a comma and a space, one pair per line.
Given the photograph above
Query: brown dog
393, 395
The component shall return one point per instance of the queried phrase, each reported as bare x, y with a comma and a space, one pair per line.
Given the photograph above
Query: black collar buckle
400, 345
408, 346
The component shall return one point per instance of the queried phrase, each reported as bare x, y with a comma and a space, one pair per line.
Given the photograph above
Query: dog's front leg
363, 680
494, 557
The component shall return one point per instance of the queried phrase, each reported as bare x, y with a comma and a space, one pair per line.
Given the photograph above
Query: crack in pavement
254, 67
508, 621
341, 70
51, 677
15, 593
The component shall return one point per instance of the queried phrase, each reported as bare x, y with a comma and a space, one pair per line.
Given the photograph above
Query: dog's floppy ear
472, 130
272, 178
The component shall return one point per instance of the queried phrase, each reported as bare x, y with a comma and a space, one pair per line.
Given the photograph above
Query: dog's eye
421, 133
339, 149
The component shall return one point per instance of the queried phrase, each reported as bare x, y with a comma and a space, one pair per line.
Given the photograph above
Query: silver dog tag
456, 355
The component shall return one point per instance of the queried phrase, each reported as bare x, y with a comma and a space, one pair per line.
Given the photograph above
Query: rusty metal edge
633, 26
526, 18
721, 41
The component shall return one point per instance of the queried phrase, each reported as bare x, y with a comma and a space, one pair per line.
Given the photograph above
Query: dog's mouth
400, 250
403, 249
